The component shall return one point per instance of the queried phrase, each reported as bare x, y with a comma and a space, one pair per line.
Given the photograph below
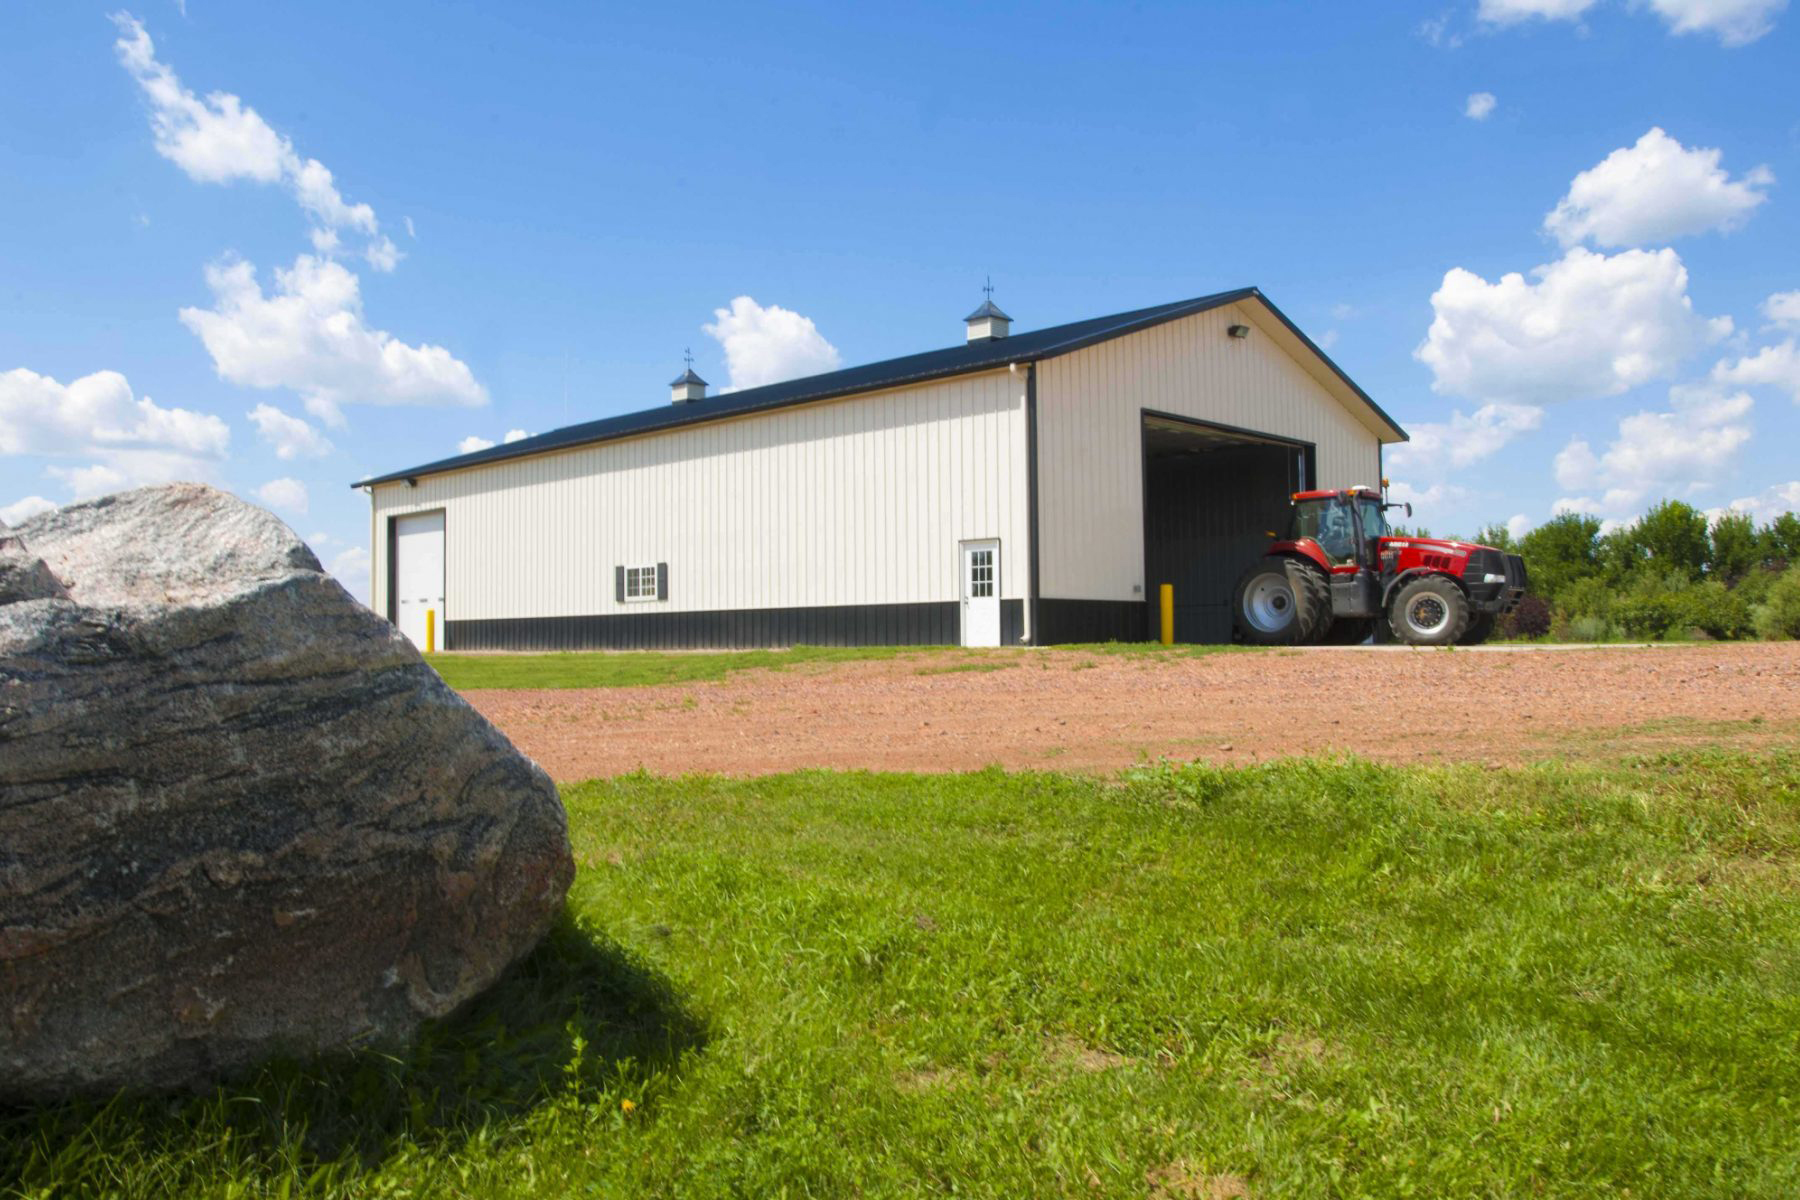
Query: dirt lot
1100, 711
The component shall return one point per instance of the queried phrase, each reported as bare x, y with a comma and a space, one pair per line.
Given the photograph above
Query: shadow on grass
574, 1021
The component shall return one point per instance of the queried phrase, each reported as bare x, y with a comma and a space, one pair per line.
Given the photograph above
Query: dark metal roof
688, 376
933, 364
987, 309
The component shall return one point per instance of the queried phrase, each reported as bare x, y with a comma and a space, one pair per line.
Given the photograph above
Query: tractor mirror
1406, 504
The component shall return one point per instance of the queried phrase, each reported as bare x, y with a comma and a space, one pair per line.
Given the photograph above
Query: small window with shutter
639, 583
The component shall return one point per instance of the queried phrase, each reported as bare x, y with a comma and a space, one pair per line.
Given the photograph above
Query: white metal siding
1090, 463
855, 501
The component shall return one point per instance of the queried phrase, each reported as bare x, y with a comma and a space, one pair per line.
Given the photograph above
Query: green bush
1673, 607
1590, 629
1778, 616
1590, 597
1652, 614
1717, 611
1753, 588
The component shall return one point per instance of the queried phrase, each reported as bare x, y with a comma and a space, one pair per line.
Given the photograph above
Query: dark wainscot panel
659, 629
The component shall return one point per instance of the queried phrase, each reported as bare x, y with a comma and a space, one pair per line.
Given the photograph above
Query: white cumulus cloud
1771, 502
1680, 452
84, 483
1655, 190
1511, 12
1783, 309
1480, 106
1434, 497
351, 568
220, 139
1518, 525
286, 494
134, 440
472, 443
1584, 326
308, 335
382, 254
1733, 22
1576, 465
769, 345
290, 436
20, 511
1776, 366
1464, 439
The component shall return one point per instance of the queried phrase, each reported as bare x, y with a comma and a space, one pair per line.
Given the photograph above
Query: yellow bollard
431, 631
1168, 614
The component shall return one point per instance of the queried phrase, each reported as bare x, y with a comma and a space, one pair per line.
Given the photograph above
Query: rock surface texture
239, 815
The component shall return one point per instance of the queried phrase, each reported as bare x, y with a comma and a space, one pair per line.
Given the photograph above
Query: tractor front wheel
1430, 611
1282, 602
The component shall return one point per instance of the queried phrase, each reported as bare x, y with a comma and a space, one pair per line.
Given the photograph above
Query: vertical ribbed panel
848, 503
1090, 456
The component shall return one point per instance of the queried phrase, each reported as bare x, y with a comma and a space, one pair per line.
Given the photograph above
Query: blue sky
279, 247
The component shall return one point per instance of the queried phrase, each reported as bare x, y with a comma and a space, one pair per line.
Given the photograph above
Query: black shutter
662, 581
619, 584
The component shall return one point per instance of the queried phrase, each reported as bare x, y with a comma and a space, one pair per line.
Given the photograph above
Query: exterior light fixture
1238, 331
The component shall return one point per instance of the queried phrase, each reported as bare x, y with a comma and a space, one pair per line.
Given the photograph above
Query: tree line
1673, 574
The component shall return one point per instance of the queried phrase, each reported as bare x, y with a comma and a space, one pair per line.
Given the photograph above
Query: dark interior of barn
1211, 497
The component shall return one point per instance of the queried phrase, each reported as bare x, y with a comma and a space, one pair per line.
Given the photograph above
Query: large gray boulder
23, 576
239, 815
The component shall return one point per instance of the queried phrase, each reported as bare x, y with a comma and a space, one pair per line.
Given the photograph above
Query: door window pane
981, 574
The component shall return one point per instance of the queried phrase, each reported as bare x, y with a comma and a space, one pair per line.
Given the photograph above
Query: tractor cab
1346, 525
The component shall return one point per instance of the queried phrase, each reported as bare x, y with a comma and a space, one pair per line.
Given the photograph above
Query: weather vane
687, 356
988, 287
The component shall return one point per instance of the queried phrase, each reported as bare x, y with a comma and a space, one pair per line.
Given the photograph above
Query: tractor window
1374, 519
1328, 523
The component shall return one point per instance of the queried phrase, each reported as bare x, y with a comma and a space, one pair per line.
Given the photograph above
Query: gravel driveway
1086, 710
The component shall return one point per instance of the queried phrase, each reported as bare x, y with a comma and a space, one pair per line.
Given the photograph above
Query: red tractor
1340, 575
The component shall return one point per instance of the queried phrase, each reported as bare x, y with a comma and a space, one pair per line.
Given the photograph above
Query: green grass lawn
647, 668
1307, 979
643, 668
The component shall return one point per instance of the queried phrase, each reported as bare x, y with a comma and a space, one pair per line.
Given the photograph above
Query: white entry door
981, 593
419, 575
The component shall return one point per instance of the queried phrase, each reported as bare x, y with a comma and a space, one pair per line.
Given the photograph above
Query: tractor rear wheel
1282, 602
1429, 611
1481, 628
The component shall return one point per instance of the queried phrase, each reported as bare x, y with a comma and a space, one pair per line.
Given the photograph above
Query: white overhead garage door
419, 576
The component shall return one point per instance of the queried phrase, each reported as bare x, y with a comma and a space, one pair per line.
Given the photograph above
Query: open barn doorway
1211, 496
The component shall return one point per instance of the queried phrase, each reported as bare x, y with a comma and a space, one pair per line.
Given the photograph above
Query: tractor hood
1441, 545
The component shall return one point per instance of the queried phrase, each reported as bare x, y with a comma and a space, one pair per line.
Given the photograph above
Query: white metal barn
1018, 488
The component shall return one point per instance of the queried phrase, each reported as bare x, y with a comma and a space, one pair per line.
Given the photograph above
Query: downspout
1031, 502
